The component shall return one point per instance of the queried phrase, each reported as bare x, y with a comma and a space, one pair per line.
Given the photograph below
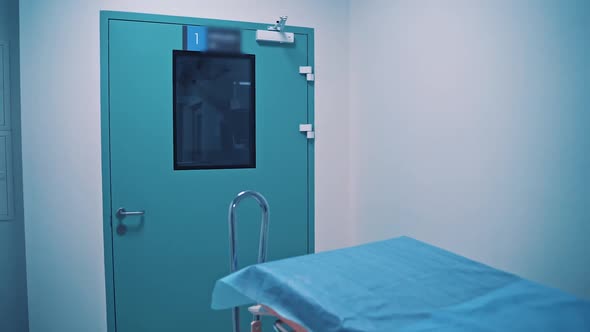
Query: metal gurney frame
257, 311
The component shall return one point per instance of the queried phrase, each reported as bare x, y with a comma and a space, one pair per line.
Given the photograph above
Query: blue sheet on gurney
400, 285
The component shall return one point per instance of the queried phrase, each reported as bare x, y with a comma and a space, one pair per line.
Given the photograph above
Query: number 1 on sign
195, 38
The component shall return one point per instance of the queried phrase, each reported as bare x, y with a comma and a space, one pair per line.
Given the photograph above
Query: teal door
187, 131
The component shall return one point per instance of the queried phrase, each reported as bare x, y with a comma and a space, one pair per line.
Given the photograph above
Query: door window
214, 110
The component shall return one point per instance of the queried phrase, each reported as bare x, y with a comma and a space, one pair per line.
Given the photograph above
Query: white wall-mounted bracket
308, 72
279, 25
307, 128
276, 33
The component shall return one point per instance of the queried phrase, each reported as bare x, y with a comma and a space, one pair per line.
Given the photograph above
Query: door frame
105, 17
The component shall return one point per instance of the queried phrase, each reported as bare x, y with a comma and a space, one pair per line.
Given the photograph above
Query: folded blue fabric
400, 285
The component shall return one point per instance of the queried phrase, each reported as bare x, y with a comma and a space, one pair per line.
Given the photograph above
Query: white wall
61, 141
470, 124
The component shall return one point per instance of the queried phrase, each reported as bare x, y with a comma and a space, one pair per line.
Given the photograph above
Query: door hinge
307, 128
308, 72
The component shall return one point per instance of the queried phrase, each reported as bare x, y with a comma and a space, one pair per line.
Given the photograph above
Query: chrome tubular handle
121, 212
262, 245
263, 203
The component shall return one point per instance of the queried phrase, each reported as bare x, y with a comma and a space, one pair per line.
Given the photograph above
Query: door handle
121, 212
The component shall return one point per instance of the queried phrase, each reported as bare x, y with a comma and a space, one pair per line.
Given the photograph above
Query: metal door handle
121, 212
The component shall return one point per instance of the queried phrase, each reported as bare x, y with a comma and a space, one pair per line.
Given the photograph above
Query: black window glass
214, 110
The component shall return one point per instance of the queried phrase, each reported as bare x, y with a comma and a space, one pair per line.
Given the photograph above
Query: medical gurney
400, 284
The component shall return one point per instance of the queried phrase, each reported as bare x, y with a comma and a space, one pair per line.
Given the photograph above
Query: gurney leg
256, 326
236, 319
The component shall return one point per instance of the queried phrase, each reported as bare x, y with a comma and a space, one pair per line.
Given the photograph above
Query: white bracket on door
308, 72
307, 128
